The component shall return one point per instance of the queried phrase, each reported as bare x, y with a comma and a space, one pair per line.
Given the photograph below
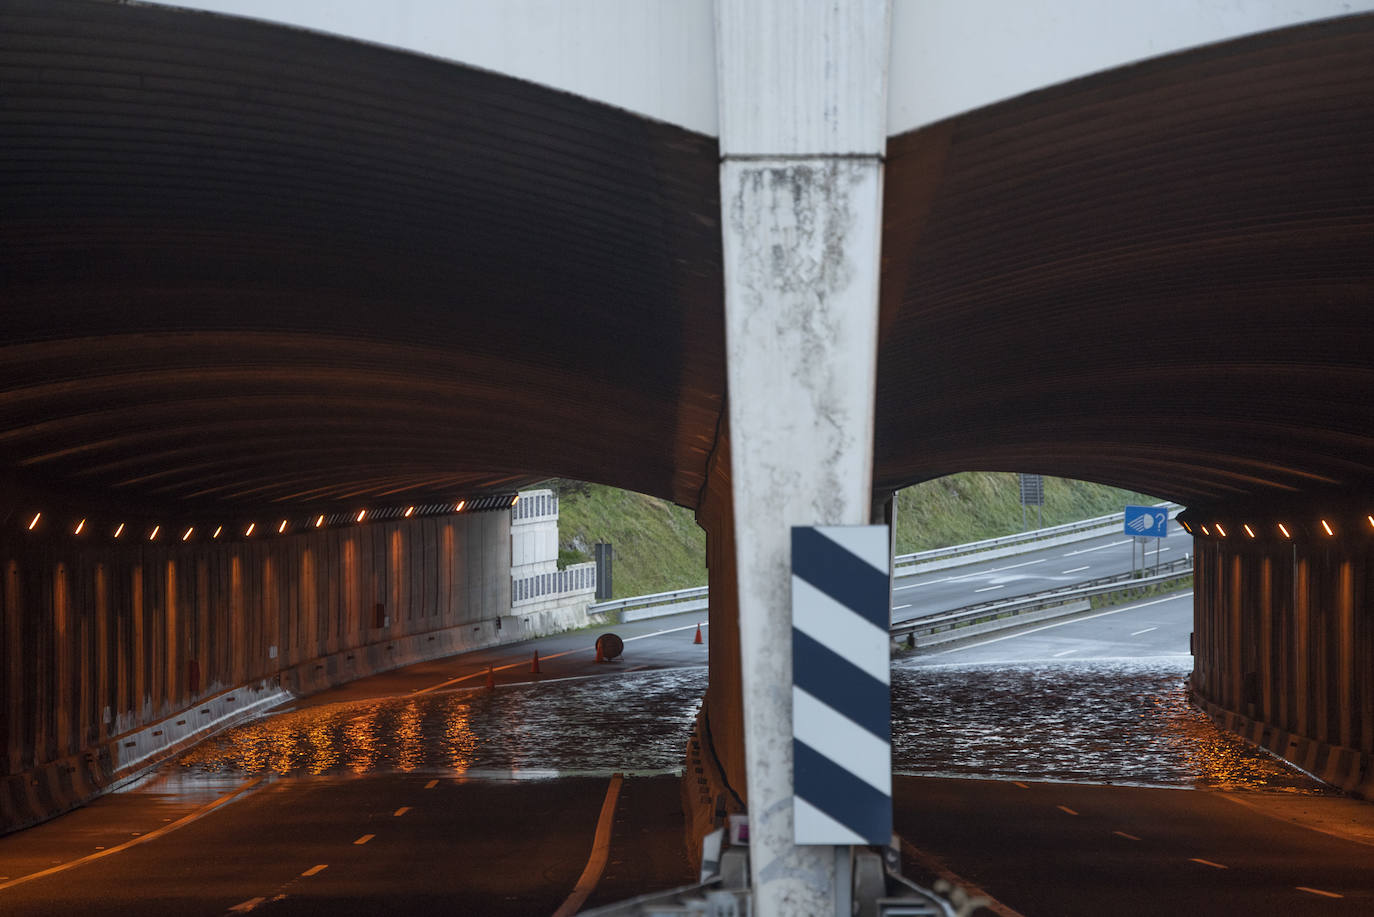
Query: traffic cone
534, 664
491, 679
697, 638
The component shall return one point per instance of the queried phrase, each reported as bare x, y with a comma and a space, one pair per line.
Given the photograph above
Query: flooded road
1101, 721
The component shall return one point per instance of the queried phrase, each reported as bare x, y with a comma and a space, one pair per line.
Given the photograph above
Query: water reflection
1105, 721
1100, 721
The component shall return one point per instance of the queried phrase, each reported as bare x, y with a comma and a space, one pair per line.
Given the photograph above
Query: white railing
540, 587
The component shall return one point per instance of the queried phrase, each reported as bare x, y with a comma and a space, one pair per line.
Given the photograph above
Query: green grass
659, 547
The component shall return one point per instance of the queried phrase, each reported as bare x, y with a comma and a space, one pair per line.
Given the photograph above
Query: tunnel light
218, 529
1327, 528
362, 514
188, 533
410, 511
152, 536
33, 523
1220, 531
1249, 531
80, 526
248, 532
1284, 529
119, 530
281, 529
1371, 521
1186, 527
458, 508
1204, 530
319, 520
515, 499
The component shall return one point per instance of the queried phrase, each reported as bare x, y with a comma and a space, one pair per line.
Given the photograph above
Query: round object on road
609, 646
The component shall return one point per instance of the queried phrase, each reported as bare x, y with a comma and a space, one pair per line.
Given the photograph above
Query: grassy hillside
658, 546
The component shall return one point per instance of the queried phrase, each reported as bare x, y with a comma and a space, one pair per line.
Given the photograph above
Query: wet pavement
1122, 721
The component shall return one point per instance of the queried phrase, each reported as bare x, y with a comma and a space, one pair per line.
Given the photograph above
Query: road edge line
158, 832
944, 872
601, 849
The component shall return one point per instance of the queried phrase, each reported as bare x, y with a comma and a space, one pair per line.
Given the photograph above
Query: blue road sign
1147, 521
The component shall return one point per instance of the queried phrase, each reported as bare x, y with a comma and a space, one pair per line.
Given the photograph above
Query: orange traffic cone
534, 664
697, 638
491, 679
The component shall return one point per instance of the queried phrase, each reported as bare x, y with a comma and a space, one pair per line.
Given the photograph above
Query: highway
1032, 571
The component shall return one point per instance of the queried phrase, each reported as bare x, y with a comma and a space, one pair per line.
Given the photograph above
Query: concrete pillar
802, 132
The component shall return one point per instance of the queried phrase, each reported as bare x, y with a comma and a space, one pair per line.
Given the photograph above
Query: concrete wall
102, 646
1284, 647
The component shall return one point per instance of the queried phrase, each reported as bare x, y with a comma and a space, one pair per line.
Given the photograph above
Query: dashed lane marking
1064, 653
1129, 837
1066, 809
989, 588
1207, 863
244, 907
1137, 633
1077, 569
139, 838
432, 784
401, 811
364, 839
601, 849
899, 607
1036, 630
316, 870
1100, 547
1317, 891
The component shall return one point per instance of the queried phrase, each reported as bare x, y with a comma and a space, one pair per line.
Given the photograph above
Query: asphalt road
402, 843
1033, 571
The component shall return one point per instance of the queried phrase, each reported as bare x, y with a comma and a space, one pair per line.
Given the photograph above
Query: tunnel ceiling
248, 265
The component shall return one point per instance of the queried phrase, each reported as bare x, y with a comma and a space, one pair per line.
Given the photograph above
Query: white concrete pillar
802, 117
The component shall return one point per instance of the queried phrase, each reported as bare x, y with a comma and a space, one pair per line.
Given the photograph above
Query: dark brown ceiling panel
1161, 276
248, 264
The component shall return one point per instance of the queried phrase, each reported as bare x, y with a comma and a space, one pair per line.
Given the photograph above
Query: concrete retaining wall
104, 645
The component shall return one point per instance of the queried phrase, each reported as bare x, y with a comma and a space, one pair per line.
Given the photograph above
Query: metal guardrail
677, 596
973, 547
987, 611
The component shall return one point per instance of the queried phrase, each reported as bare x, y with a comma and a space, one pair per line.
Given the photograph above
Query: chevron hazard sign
841, 728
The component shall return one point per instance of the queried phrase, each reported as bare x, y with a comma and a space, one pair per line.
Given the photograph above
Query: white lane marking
138, 839
1036, 630
363, 840
1100, 547
899, 607
432, 784
1207, 863
1137, 633
1066, 810
244, 907
601, 849
990, 588
316, 870
929, 582
542, 658
1029, 563
1065, 653
1317, 891
1077, 569
401, 811
1129, 837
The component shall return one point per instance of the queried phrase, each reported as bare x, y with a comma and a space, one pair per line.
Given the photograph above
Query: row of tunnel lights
320, 521
1218, 530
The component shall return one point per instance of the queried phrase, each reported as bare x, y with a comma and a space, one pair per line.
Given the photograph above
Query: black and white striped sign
841, 730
